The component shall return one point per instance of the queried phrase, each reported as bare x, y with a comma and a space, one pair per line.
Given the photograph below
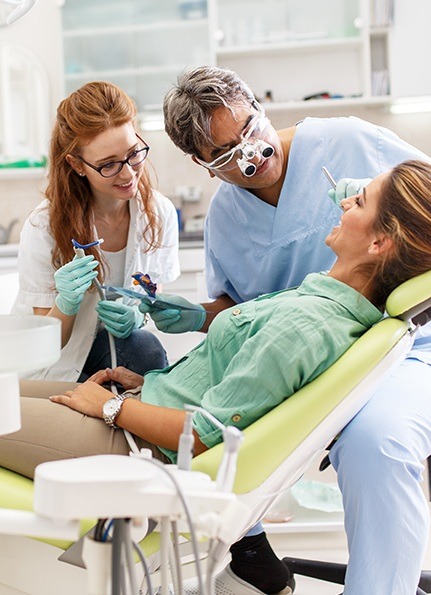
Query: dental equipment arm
80, 253
232, 438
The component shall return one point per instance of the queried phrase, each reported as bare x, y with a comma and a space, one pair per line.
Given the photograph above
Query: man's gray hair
188, 107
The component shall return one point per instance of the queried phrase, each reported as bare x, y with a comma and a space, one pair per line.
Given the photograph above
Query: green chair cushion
410, 295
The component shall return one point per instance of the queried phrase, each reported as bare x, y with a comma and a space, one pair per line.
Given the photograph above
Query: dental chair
275, 452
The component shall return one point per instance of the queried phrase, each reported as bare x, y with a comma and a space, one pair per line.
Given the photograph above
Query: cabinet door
410, 48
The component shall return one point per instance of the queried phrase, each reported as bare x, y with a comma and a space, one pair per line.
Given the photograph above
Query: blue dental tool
80, 248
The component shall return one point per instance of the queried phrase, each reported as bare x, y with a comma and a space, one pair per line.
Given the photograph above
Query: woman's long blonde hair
92, 109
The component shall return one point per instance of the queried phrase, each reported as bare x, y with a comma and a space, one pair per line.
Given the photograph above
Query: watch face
110, 407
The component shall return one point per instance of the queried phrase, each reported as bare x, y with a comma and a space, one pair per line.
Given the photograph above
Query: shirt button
236, 312
236, 418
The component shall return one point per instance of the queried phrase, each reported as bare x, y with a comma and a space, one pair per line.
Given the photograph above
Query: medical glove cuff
140, 319
200, 317
67, 307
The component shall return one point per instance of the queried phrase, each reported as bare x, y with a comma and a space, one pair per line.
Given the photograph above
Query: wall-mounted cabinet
298, 50
287, 50
140, 45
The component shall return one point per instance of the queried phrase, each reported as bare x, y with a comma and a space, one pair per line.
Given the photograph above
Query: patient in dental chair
256, 354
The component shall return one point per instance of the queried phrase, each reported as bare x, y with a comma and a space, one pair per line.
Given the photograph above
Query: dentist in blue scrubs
264, 232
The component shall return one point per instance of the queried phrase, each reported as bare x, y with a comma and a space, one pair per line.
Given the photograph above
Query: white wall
40, 32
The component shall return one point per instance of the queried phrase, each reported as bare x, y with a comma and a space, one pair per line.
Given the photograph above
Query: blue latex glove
347, 187
175, 321
119, 319
71, 281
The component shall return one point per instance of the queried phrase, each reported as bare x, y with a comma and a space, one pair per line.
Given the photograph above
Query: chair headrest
411, 298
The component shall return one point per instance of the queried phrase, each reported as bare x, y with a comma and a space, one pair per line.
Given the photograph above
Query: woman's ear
381, 245
75, 164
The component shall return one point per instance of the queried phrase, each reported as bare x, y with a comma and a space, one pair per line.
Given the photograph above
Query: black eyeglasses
108, 170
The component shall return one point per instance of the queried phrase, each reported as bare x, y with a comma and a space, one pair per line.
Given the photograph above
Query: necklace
115, 227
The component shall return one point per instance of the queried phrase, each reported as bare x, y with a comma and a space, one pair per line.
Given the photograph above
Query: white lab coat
36, 281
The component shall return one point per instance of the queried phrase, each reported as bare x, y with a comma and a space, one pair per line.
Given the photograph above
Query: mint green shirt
260, 352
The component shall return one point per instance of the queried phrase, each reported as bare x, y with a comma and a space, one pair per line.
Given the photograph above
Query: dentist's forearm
213, 308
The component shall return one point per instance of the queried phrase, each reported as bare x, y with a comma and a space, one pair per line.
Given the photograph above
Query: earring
81, 173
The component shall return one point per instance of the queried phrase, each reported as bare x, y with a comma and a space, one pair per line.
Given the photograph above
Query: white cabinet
292, 49
286, 50
140, 45
300, 49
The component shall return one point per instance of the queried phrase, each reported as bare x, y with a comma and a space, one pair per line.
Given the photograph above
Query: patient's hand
87, 398
120, 375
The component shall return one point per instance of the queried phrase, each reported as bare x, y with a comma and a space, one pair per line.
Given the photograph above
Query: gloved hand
119, 319
173, 320
347, 187
71, 281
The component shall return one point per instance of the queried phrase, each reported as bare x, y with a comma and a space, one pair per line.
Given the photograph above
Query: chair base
336, 573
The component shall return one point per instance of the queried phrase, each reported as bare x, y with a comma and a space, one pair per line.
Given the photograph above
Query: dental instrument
79, 250
144, 281
232, 438
186, 443
158, 303
329, 177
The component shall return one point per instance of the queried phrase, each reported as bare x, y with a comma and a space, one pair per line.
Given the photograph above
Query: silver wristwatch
112, 408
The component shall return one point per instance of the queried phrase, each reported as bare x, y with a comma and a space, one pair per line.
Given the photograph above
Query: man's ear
381, 245
208, 170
